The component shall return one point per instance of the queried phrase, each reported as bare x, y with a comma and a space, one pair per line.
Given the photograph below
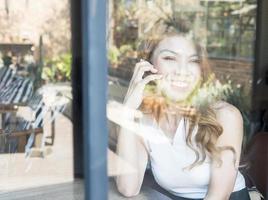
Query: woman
197, 151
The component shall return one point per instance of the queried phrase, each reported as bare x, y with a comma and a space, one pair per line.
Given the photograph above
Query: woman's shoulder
223, 106
226, 111
231, 121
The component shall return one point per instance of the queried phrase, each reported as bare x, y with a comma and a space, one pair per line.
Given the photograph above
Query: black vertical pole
76, 27
260, 72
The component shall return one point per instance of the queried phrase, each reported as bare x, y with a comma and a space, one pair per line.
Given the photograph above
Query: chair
256, 174
31, 117
6, 75
23, 113
14, 91
256, 155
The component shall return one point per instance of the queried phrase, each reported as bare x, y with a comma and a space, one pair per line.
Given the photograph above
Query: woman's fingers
136, 71
134, 94
141, 68
151, 78
141, 84
144, 69
140, 64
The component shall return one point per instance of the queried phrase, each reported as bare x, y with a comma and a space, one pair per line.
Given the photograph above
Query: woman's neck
169, 123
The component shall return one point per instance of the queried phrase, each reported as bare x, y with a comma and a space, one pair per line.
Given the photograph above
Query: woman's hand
137, 84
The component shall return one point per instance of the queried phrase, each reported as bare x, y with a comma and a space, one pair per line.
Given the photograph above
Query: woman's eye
197, 60
169, 58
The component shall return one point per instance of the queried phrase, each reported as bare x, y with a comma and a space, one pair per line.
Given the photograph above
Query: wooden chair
22, 113
256, 173
30, 119
256, 158
15, 91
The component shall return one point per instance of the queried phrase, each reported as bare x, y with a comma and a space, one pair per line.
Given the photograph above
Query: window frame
89, 80
89, 74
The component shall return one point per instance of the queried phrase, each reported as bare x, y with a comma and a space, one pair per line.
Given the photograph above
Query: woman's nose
182, 68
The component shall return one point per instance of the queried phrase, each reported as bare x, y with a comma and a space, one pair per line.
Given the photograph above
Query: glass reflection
35, 96
175, 68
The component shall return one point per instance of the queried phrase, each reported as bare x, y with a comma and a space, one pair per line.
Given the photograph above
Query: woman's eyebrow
177, 53
173, 52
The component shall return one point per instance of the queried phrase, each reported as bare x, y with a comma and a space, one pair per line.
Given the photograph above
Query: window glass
218, 33
35, 102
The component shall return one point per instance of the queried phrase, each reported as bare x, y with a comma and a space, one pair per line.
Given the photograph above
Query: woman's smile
180, 84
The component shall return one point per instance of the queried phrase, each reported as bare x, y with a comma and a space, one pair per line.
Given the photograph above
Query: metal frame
89, 90
77, 88
94, 82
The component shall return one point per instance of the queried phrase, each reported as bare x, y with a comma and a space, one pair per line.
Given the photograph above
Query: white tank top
168, 158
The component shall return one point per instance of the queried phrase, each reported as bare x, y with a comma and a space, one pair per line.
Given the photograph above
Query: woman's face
177, 59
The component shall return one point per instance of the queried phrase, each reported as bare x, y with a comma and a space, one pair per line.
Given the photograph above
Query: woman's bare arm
130, 148
223, 178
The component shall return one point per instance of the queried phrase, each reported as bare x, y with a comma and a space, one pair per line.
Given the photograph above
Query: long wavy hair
209, 129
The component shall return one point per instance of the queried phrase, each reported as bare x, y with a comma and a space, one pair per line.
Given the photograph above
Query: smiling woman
170, 53
193, 150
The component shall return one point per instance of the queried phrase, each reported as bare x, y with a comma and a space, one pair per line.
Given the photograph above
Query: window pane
217, 36
35, 89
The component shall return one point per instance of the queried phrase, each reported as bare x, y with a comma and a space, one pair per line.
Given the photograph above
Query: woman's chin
176, 98
181, 99
176, 93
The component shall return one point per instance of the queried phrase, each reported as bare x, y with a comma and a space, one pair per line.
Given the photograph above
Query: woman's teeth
179, 83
